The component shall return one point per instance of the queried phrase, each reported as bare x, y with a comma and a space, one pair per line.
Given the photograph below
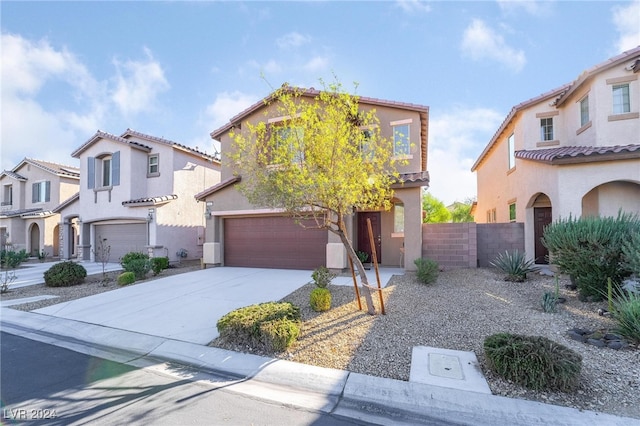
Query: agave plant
514, 264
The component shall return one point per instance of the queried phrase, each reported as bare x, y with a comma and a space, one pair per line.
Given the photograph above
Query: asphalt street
57, 386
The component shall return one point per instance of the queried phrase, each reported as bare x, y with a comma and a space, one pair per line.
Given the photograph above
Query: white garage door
122, 238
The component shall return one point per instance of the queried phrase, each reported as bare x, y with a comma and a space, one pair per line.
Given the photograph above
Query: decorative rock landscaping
599, 338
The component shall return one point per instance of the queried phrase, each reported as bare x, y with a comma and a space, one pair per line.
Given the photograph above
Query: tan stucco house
137, 194
239, 234
572, 151
30, 193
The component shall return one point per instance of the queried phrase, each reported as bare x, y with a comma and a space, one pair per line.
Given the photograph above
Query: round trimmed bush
269, 327
126, 278
320, 299
534, 362
65, 274
136, 262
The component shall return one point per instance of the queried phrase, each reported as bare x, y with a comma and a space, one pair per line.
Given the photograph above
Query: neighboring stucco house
572, 151
30, 192
137, 194
239, 234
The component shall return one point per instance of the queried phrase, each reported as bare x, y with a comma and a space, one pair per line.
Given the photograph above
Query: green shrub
136, 262
626, 312
591, 250
549, 301
65, 274
126, 278
11, 259
263, 326
159, 264
631, 254
534, 362
320, 299
428, 270
277, 335
514, 264
322, 276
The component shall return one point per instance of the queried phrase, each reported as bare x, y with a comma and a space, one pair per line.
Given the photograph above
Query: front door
542, 218
364, 243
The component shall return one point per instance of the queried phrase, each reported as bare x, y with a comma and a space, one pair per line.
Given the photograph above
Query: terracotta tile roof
130, 132
575, 154
104, 135
559, 95
66, 202
407, 180
13, 175
18, 213
150, 201
217, 187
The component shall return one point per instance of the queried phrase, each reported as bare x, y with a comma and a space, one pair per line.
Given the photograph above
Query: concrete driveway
187, 306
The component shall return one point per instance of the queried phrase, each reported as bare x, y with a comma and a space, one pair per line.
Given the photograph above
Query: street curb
339, 392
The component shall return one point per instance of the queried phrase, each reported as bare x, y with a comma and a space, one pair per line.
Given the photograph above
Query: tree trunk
364, 281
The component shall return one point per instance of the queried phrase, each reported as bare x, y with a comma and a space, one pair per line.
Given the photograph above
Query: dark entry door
542, 218
364, 243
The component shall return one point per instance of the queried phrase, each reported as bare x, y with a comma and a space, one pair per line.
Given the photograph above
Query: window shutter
115, 168
47, 191
35, 189
91, 172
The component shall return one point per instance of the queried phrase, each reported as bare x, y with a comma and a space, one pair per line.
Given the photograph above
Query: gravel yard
457, 312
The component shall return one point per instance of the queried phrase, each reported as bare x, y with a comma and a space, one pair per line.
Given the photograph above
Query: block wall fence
469, 245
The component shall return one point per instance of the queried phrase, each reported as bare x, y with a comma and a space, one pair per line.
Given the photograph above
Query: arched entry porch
540, 210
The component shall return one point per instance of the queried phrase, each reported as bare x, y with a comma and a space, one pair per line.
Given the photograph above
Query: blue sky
180, 70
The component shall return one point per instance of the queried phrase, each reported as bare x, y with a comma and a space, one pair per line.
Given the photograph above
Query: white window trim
149, 172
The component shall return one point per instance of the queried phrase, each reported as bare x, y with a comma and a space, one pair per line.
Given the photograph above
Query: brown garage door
273, 242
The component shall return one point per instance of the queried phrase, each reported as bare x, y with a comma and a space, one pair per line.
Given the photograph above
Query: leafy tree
325, 161
461, 212
434, 209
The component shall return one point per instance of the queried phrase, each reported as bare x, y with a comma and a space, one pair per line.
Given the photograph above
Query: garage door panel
273, 242
123, 238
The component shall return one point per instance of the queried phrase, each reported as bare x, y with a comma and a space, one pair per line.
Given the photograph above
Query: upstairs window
153, 165
41, 192
546, 129
401, 139
512, 151
286, 142
366, 149
106, 173
103, 171
621, 102
7, 195
584, 111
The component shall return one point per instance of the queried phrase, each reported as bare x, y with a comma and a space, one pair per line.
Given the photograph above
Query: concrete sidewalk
33, 273
172, 318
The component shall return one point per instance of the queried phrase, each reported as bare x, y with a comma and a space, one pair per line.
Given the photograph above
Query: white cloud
627, 23
532, 7
138, 84
481, 42
292, 40
29, 129
225, 106
455, 140
413, 6
315, 64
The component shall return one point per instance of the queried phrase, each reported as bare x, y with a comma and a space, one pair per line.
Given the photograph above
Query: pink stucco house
574, 150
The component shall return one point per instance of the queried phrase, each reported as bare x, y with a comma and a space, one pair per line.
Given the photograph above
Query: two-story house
136, 194
239, 234
573, 151
30, 192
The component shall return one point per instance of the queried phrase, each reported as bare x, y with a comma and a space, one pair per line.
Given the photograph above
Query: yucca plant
626, 312
515, 264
